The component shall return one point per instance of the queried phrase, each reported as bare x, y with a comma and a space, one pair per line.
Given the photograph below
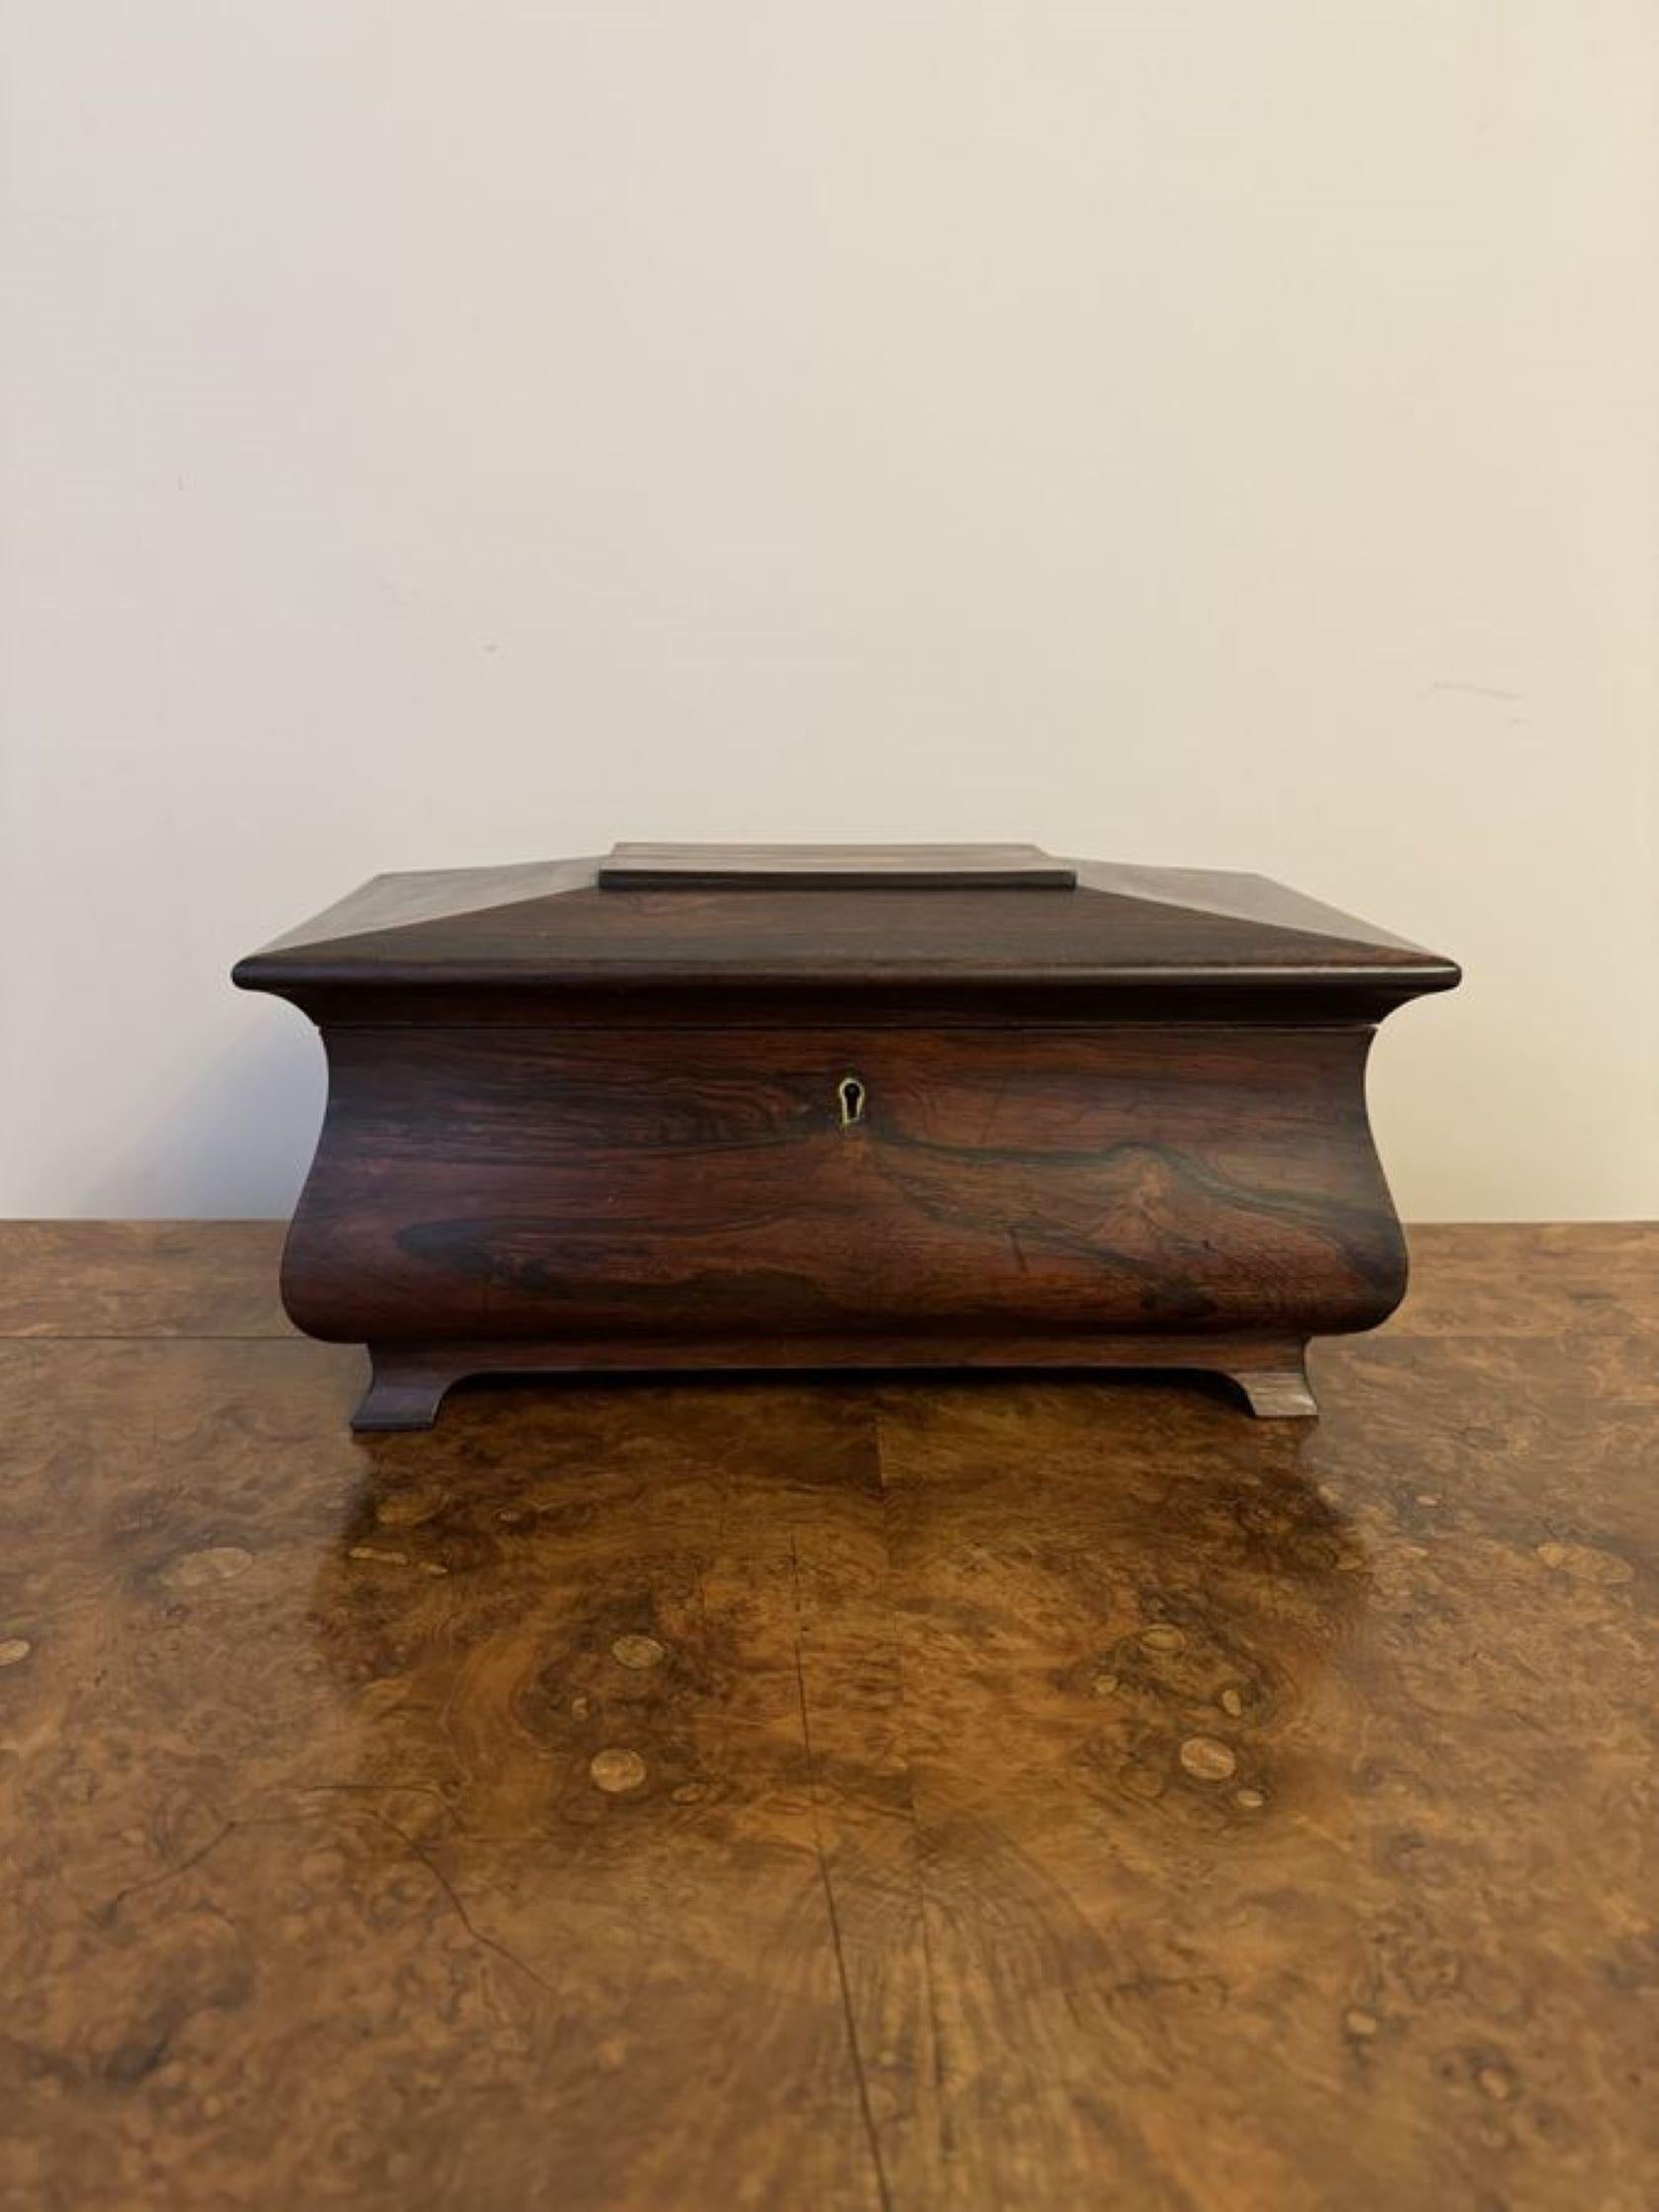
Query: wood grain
929, 1798
702, 1184
143, 1278
599, 1114
682, 867
411, 1380
1124, 931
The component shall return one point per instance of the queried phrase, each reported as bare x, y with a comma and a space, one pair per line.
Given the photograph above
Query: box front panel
689, 1183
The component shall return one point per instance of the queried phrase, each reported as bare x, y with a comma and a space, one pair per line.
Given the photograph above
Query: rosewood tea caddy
840, 1107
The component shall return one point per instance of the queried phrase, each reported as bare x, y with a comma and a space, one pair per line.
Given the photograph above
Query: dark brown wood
1126, 933
661, 1200
1200, 1179
671, 867
408, 1381
1135, 1135
945, 1797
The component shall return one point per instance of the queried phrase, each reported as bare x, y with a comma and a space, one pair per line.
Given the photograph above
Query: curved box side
692, 1186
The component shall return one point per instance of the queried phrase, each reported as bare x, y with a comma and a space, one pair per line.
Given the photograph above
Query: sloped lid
804, 917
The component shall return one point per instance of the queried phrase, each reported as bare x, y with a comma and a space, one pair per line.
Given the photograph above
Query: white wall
1178, 432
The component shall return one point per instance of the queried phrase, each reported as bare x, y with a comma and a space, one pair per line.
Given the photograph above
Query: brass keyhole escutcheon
849, 1096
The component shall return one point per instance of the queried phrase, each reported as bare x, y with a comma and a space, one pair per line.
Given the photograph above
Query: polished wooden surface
577, 1126
942, 1795
1128, 930
542, 1201
681, 867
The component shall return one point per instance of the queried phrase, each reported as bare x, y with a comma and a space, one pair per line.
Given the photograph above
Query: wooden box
800, 1107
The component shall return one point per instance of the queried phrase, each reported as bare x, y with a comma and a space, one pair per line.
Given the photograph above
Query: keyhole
851, 1092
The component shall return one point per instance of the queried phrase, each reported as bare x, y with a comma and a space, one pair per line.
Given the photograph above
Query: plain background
446, 434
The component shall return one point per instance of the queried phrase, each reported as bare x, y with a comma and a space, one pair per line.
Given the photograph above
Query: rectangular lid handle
671, 867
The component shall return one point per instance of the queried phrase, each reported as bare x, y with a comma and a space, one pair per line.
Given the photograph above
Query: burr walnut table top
962, 1795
